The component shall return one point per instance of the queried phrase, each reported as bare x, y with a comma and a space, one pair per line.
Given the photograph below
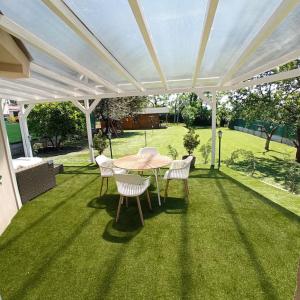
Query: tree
191, 141
56, 122
189, 115
113, 110
260, 104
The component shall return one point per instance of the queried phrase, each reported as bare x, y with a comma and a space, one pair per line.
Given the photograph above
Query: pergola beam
18, 86
63, 11
267, 79
267, 67
138, 14
209, 18
129, 93
8, 91
51, 86
272, 23
23, 34
64, 79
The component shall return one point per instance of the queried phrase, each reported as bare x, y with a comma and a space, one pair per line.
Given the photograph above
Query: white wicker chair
179, 169
147, 151
132, 186
107, 169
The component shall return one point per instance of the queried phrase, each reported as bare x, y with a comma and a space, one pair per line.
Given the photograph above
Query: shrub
243, 156
205, 151
11, 119
172, 152
100, 142
191, 141
292, 176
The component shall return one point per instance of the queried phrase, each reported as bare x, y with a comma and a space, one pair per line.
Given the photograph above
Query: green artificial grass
13, 132
226, 242
269, 165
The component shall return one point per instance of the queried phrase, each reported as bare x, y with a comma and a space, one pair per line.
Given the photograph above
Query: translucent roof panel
235, 22
115, 26
284, 39
34, 16
176, 28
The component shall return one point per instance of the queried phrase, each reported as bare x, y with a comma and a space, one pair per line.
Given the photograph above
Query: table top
145, 162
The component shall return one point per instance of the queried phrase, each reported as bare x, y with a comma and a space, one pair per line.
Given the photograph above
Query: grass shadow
262, 276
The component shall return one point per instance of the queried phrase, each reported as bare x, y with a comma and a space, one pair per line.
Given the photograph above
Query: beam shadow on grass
263, 278
40, 273
43, 218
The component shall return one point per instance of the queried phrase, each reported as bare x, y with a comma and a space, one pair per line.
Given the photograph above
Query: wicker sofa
34, 178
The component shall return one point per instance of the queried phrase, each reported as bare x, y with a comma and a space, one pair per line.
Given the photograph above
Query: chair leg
126, 199
148, 198
186, 188
166, 190
140, 209
106, 183
101, 186
119, 208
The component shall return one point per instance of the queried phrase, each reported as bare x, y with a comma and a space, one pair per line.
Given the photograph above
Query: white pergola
83, 51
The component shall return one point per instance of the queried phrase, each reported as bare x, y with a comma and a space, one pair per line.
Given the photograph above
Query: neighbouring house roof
103, 49
154, 110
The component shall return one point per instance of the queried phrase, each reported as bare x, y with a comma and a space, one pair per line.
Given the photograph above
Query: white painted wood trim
139, 17
62, 11
213, 128
251, 45
9, 160
64, 79
209, 18
23, 34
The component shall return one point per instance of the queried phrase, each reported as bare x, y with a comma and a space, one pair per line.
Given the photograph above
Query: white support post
89, 130
213, 128
24, 129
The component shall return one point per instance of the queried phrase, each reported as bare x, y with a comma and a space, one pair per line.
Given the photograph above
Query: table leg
157, 185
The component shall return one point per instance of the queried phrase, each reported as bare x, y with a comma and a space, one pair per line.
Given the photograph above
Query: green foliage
172, 152
205, 151
191, 141
292, 177
243, 156
56, 122
100, 142
189, 115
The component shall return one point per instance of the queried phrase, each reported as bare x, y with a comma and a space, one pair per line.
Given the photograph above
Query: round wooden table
143, 163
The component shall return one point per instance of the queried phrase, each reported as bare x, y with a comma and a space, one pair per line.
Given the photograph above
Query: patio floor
226, 243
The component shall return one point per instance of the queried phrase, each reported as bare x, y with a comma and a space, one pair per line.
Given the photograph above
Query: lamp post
220, 133
110, 148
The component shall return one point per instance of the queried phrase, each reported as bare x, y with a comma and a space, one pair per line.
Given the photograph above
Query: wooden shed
148, 118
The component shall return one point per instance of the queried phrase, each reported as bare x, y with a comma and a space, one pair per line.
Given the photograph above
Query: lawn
13, 132
226, 242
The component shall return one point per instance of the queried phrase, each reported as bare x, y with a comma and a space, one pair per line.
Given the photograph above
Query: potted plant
190, 142
100, 142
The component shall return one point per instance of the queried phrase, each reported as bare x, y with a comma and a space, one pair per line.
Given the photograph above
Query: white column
24, 131
89, 130
213, 128
10, 197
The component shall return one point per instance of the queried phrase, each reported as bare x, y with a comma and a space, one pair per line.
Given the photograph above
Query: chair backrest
148, 150
105, 165
183, 166
129, 183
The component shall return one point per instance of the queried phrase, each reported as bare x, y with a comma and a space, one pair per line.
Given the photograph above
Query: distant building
148, 118
10, 108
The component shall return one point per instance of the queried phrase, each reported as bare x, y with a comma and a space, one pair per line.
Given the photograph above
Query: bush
100, 142
205, 151
292, 177
172, 152
189, 115
191, 141
243, 156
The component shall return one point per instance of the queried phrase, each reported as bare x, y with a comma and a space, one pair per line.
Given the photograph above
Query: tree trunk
297, 144
267, 144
